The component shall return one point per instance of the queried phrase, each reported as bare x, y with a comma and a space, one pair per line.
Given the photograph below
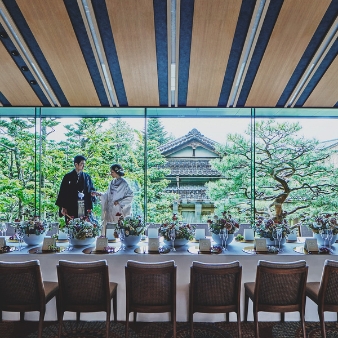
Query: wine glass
221, 232
122, 237
275, 237
323, 234
279, 238
19, 235
172, 235
69, 237
329, 237
225, 237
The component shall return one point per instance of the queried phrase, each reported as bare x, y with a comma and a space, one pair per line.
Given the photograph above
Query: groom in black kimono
75, 197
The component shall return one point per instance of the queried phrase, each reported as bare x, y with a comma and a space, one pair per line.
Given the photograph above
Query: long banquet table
183, 259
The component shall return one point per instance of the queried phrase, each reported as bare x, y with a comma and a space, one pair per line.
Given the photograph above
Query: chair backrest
215, 284
280, 283
328, 291
21, 285
151, 284
83, 285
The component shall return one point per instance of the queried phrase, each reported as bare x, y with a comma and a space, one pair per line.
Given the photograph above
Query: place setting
260, 247
103, 247
48, 247
206, 248
154, 247
312, 247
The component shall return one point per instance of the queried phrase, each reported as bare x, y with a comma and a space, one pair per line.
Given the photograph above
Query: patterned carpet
164, 330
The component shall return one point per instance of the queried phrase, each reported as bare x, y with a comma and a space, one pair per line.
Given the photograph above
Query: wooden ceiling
174, 53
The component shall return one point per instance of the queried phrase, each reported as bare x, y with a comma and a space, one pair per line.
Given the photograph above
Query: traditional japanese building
188, 159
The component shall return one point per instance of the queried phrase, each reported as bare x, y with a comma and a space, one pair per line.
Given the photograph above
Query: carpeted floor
164, 330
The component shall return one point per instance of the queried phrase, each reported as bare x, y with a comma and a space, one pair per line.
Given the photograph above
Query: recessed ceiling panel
133, 29
13, 84
294, 28
214, 25
53, 31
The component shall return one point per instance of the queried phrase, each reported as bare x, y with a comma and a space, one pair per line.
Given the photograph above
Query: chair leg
173, 319
115, 308
60, 324
239, 324
41, 317
227, 317
0, 316
282, 317
302, 318
135, 317
322, 322
191, 321
78, 317
255, 313
127, 324
107, 324
22, 316
246, 306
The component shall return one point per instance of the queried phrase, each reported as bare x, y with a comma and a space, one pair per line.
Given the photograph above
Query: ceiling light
3, 35
32, 82
14, 52
24, 68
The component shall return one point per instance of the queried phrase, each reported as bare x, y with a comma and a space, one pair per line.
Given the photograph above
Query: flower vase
217, 239
132, 240
320, 239
82, 242
33, 239
270, 242
178, 242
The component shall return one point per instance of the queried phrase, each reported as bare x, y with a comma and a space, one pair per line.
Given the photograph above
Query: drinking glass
329, 237
225, 237
279, 238
274, 235
19, 235
122, 237
323, 234
221, 237
69, 237
172, 234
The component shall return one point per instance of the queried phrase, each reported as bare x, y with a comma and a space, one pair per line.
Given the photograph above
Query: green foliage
156, 131
102, 142
291, 173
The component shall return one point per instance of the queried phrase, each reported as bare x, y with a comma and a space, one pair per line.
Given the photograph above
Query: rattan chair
151, 288
22, 289
215, 288
325, 293
85, 287
279, 287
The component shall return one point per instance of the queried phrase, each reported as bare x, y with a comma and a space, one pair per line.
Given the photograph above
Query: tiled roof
193, 135
190, 168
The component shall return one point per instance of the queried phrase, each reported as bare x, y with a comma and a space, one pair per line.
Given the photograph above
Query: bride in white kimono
116, 201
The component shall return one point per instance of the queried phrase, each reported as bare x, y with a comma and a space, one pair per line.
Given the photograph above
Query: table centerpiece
133, 227
82, 230
324, 226
218, 224
183, 232
269, 227
32, 231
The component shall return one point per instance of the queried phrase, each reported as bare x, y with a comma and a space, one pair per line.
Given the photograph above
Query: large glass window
195, 162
